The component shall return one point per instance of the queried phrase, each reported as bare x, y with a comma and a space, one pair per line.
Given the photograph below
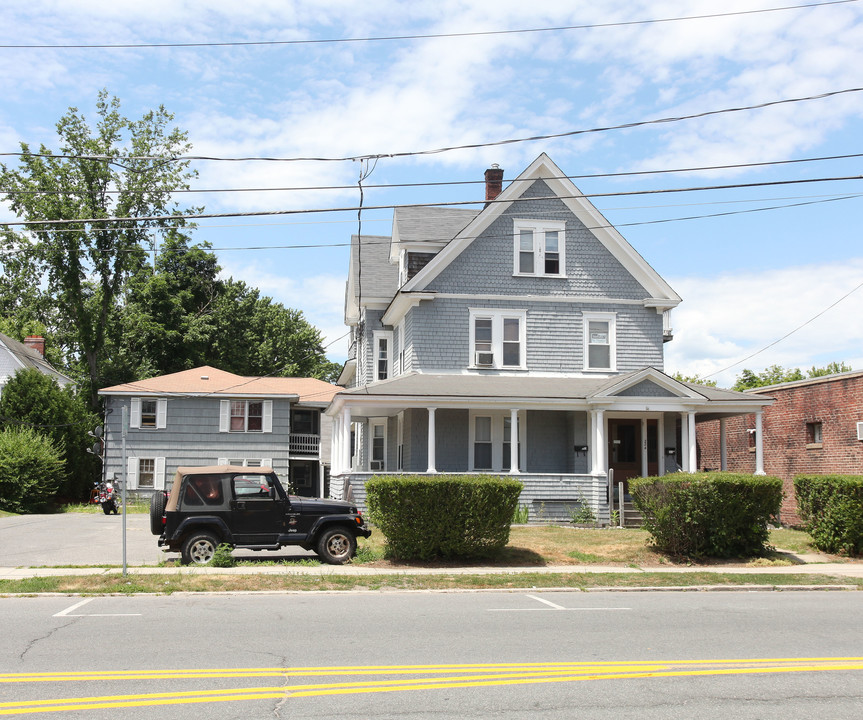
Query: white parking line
555, 606
68, 611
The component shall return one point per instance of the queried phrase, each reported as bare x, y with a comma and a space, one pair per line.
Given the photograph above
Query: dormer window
539, 248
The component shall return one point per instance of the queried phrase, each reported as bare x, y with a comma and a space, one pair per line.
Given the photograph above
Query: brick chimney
493, 183
36, 342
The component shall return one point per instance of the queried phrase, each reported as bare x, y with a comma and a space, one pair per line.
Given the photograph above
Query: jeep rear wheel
337, 545
199, 548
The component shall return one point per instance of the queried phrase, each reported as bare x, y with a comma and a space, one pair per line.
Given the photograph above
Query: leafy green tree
694, 379
31, 470
776, 374
118, 168
34, 400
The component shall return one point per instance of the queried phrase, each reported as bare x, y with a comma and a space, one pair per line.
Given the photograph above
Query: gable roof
379, 279
27, 357
434, 226
543, 168
207, 380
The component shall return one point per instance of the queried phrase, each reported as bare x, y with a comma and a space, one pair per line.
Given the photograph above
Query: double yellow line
422, 677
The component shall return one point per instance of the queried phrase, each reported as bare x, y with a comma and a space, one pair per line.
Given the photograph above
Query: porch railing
305, 444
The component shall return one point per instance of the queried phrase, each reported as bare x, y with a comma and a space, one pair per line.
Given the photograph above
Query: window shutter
135, 414
224, 415
159, 479
131, 473
161, 413
267, 462
268, 416
222, 461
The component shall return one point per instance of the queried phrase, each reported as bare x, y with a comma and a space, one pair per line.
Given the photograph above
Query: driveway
91, 539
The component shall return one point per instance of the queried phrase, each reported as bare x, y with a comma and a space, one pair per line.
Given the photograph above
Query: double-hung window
383, 353
600, 341
539, 248
148, 413
498, 338
245, 416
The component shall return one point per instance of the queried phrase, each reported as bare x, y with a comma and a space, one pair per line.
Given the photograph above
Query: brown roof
208, 380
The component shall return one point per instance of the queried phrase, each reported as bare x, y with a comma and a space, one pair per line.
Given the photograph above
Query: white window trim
497, 317
380, 335
400, 370
497, 421
373, 423
611, 319
132, 465
161, 414
264, 462
266, 419
539, 228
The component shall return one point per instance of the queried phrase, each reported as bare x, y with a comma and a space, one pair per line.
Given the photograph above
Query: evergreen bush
31, 470
443, 516
708, 514
832, 508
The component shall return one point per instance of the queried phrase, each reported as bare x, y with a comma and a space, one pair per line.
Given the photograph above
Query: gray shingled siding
441, 334
192, 437
366, 357
486, 265
646, 388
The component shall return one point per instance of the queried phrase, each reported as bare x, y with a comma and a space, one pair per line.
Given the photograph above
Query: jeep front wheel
199, 548
336, 546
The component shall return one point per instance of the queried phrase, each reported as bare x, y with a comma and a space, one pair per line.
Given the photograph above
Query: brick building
812, 427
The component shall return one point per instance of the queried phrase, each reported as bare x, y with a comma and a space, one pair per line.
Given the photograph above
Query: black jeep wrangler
249, 508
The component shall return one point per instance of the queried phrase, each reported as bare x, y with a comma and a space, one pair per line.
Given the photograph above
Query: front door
625, 448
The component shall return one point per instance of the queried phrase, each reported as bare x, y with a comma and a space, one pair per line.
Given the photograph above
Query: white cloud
726, 318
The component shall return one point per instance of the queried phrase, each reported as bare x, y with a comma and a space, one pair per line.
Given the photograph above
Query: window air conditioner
376, 465
484, 359
860, 431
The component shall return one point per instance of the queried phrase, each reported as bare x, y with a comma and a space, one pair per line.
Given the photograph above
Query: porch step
631, 517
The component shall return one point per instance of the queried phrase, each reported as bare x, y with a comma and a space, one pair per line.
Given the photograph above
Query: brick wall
836, 403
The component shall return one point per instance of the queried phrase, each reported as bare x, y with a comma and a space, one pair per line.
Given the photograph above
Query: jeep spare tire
158, 500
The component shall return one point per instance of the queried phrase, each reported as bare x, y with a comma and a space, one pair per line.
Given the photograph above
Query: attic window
539, 248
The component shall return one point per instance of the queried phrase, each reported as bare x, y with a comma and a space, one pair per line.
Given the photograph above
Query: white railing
305, 444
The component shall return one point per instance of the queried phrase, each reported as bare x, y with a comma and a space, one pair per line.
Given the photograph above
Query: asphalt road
436, 656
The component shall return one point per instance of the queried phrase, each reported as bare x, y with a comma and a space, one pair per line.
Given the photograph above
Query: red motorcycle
107, 496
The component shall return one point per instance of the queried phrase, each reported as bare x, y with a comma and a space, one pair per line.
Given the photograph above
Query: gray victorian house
525, 338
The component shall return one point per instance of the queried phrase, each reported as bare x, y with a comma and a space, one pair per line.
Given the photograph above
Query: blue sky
747, 278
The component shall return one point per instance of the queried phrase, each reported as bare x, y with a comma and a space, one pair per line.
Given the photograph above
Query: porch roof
457, 390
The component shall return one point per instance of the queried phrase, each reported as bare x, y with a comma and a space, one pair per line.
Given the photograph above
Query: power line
448, 183
473, 146
428, 36
455, 203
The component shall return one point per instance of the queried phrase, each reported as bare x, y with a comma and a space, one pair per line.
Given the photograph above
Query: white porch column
598, 464
692, 450
335, 448
513, 442
660, 442
723, 447
346, 439
644, 447
431, 441
683, 450
759, 443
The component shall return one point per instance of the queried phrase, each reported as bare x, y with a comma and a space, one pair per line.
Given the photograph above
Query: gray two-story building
523, 338
206, 416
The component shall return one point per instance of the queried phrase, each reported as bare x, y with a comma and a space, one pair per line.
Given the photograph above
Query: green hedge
832, 508
708, 514
31, 470
442, 516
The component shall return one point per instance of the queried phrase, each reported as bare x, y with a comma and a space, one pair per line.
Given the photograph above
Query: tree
180, 315
31, 470
694, 379
119, 168
34, 400
776, 374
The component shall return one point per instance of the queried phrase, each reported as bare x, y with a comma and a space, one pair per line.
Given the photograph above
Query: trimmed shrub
832, 508
31, 470
443, 516
708, 514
